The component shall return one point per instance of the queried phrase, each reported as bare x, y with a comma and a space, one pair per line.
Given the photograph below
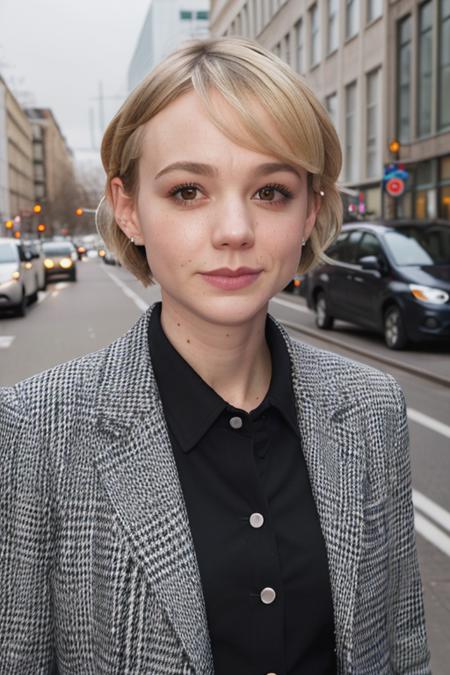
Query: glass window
331, 106
444, 202
315, 46
350, 129
374, 9
185, 15
420, 245
404, 79
444, 169
332, 33
369, 246
351, 18
444, 64
298, 31
373, 124
202, 15
337, 250
425, 67
8, 253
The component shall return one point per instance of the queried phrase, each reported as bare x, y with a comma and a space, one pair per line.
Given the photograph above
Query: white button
271, 674
236, 422
268, 595
256, 520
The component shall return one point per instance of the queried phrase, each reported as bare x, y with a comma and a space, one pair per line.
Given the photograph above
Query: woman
207, 494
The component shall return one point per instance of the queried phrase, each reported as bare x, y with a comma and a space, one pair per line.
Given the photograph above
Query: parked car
393, 277
18, 280
34, 247
60, 259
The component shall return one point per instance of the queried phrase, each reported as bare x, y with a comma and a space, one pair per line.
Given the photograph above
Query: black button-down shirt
229, 471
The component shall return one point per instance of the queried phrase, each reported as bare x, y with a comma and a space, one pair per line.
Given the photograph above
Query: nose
234, 225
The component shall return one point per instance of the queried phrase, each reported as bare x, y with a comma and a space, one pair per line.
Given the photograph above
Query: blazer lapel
137, 468
333, 447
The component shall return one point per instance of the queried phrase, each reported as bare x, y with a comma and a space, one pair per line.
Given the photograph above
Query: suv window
369, 245
8, 253
337, 249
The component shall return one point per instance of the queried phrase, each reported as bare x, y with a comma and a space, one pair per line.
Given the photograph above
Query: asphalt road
71, 319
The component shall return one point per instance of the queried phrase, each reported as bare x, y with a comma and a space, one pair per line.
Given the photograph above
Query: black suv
392, 277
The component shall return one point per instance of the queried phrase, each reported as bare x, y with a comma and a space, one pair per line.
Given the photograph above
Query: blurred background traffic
381, 68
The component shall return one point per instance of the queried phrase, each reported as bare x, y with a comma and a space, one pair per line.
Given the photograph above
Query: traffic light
9, 224
37, 208
394, 147
41, 227
79, 212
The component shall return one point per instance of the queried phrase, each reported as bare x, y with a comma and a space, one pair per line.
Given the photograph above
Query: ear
314, 203
125, 211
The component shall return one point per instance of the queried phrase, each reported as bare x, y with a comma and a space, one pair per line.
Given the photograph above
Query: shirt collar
190, 405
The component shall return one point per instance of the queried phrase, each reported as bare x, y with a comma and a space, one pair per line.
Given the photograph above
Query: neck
234, 360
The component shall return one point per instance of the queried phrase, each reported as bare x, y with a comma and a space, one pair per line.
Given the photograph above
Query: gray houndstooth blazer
98, 572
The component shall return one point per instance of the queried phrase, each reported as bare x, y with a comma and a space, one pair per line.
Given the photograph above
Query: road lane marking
429, 422
41, 296
432, 510
432, 533
141, 304
292, 305
6, 341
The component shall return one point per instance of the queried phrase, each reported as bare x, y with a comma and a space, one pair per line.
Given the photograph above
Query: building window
351, 18
350, 131
185, 15
425, 193
373, 124
444, 188
287, 48
425, 68
315, 46
298, 32
444, 65
374, 9
332, 34
202, 15
331, 106
404, 79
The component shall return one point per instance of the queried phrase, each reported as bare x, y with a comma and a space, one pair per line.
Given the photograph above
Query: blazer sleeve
409, 651
26, 631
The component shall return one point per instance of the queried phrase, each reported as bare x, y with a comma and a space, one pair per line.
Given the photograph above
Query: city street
71, 319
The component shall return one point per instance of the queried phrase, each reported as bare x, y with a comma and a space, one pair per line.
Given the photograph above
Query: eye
185, 193
266, 193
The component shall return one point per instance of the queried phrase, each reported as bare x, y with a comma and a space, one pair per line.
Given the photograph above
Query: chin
232, 308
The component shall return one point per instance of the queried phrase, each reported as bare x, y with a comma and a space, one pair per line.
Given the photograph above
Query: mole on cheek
178, 324
188, 341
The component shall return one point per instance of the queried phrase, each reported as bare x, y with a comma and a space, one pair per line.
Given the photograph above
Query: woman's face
221, 207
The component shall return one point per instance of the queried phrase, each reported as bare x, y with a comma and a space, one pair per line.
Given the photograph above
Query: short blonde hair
245, 74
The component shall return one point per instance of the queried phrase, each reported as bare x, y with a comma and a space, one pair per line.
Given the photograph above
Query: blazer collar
138, 470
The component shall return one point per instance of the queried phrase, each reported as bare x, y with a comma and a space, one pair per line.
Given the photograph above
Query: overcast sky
59, 50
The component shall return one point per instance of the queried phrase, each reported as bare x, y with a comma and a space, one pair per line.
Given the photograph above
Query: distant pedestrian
207, 494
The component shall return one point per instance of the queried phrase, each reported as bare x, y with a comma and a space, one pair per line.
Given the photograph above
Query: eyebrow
212, 171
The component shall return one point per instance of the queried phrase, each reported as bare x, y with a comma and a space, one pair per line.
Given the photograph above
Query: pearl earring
303, 242
322, 193
132, 240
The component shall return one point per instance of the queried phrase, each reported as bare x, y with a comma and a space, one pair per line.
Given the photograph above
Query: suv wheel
323, 319
394, 328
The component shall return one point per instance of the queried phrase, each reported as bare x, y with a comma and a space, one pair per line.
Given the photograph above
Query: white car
19, 284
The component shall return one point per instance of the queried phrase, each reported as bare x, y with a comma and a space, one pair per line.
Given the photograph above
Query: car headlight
15, 276
65, 263
434, 296
48, 263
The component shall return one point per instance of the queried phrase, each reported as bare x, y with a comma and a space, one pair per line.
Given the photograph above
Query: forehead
184, 130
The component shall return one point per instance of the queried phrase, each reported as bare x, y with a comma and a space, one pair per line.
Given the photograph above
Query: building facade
373, 64
16, 157
168, 22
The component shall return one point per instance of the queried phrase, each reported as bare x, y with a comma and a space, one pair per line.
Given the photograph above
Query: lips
231, 280
227, 272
